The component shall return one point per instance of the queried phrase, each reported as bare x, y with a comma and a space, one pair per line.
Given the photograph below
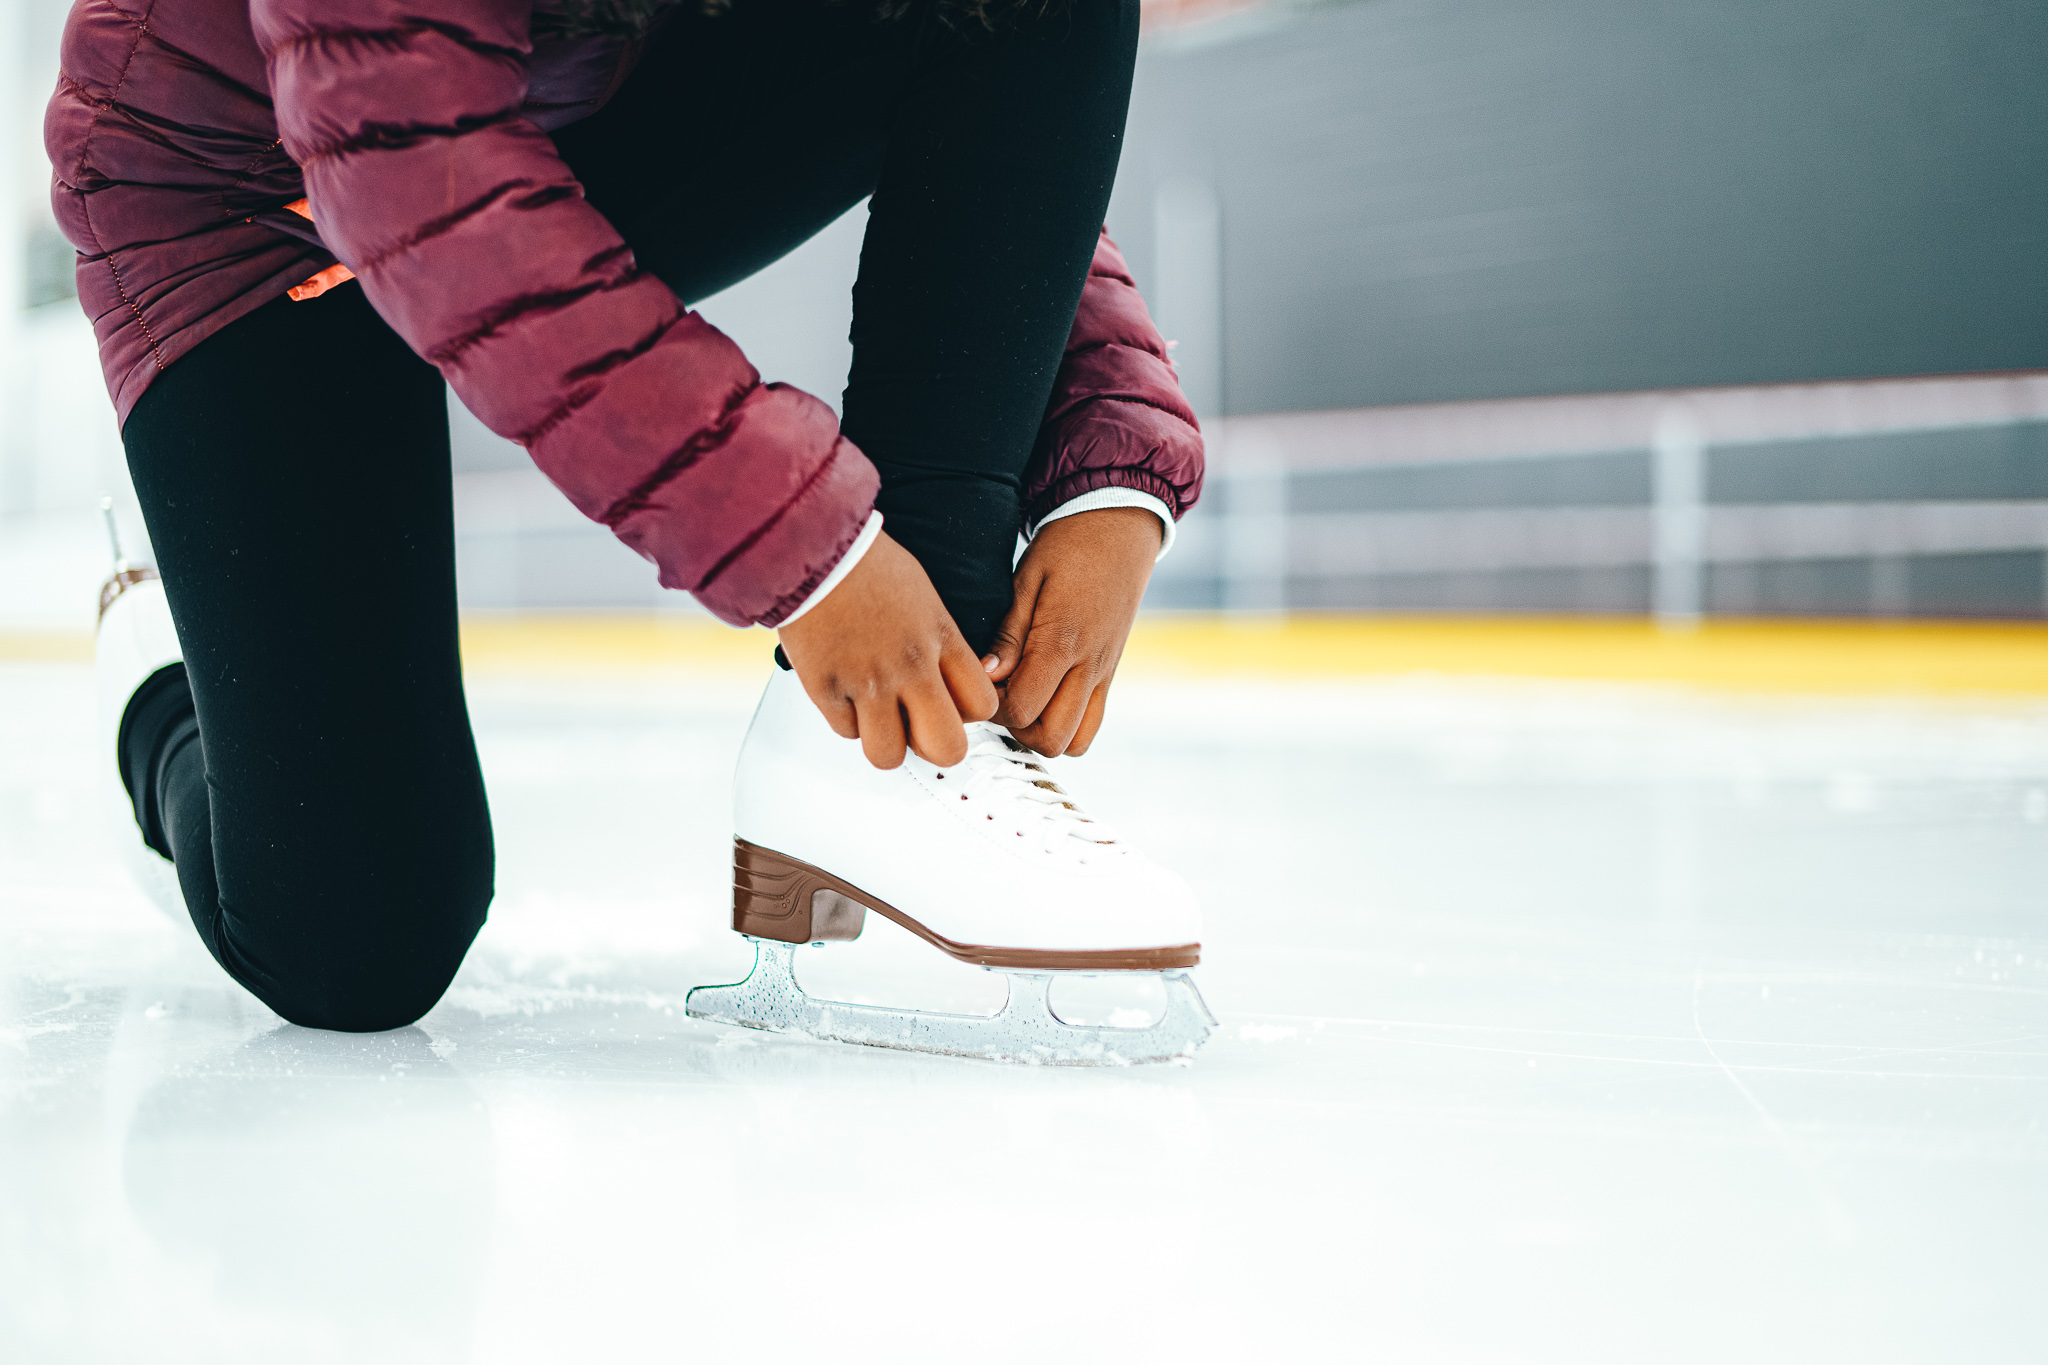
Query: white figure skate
988, 861
135, 642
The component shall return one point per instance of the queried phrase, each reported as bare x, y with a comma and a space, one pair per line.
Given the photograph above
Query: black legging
329, 828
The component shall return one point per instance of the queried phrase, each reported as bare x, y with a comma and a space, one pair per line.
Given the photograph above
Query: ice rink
1560, 1022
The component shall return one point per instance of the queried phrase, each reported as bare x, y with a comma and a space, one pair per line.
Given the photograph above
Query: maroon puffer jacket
181, 130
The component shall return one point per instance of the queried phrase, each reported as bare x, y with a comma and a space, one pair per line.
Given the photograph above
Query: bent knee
364, 1002
367, 978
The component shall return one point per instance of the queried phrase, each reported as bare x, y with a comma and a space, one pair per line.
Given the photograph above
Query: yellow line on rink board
582, 642
45, 646
1776, 655
1838, 656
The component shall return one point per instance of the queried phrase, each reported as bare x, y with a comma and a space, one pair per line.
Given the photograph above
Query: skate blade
1025, 1030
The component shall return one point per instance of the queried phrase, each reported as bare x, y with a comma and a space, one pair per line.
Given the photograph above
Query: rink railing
1887, 497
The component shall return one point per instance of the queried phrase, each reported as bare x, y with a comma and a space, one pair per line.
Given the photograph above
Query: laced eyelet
1048, 810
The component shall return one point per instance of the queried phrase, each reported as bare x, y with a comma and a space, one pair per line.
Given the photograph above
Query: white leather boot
990, 861
136, 640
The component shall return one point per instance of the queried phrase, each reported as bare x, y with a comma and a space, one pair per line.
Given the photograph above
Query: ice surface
1559, 1024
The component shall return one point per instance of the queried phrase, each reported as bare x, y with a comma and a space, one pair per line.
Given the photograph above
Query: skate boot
989, 861
135, 644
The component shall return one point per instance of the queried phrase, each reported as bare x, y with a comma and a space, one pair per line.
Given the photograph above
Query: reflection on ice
337, 1189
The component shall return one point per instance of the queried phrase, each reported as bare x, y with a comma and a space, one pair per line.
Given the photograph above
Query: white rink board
1559, 1024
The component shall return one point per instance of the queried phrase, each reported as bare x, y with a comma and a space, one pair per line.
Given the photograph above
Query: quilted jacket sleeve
473, 240
1117, 418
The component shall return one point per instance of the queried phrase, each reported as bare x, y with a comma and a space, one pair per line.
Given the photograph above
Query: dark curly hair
633, 18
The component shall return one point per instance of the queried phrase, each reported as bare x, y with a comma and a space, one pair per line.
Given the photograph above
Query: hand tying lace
1003, 773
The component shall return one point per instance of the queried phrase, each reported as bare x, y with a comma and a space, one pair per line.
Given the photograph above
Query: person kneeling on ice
336, 206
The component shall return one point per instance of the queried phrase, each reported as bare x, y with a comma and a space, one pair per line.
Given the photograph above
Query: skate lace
1003, 773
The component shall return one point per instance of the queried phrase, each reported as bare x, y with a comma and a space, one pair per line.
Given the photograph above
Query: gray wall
1422, 200
1400, 201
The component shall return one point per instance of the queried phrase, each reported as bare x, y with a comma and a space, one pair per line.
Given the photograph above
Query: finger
1062, 716
836, 708
1091, 721
881, 729
967, 682
1001, 660
1050, 654
934, 723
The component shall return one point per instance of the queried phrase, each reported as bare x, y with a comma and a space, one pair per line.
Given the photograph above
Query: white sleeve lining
860, 546
1113, 497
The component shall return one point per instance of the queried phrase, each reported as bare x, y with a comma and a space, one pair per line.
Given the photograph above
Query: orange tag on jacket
326, 279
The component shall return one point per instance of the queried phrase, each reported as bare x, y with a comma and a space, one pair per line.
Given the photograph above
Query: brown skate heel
122, 580
788, 901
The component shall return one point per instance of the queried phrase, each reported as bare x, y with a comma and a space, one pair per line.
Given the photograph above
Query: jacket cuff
860, 546
1108, 497
779, 562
